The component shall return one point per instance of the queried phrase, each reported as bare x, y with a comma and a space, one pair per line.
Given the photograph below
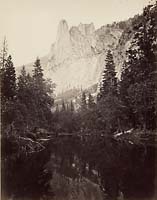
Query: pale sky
30, 26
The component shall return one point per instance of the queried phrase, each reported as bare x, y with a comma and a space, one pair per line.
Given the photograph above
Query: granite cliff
77, 57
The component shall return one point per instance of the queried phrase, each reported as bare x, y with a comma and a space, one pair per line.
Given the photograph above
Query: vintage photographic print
78, 83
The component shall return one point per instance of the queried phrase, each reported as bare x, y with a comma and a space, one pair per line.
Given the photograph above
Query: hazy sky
31, 25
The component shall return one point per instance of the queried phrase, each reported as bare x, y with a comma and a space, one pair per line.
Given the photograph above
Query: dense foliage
26, 107
138, 81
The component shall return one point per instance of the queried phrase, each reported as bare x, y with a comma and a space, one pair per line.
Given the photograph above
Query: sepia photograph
78, 99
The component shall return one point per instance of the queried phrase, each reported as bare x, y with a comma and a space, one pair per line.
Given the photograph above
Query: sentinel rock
76, 59
62, 48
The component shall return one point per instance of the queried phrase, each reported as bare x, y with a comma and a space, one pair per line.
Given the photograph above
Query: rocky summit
76, 60
77, 57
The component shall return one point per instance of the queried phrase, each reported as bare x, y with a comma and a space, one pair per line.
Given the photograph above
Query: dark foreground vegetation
91, 142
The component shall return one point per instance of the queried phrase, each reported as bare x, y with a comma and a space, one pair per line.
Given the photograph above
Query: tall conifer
8, 87
138, 80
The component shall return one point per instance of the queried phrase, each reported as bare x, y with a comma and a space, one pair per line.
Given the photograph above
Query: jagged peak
63, 21
63, 27
86, 29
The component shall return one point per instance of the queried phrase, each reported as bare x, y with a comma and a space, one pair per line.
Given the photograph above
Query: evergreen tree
63, 106
91, 115
108, 101
83, 102
34, 99
26, 106
83, 111
8, 87
3, 58
138, 82
109, 80
8, 93
72, 109
22, 79
43, 89
91, 102
38, 74
3, 54
57, 109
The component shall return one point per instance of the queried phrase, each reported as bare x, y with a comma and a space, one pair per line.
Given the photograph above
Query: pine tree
109, 80
67, 107
34, 94
107, 100
63, 106
57, 109
83, 111
138, 84
8, 87
22, 79
83, 102
3, 58
38, 74
26, 116
3, 54
91, 116
72, 109
25, 86
91, 102
8, 94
